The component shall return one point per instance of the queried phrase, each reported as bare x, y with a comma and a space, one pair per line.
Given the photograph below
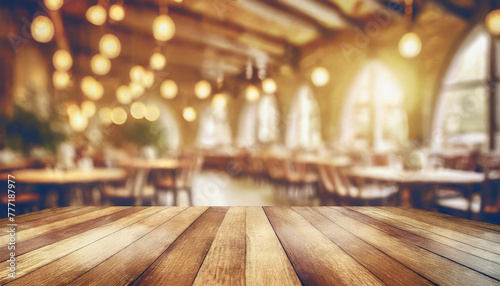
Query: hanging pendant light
96, 15
116, 12
42, 29
202, 89
168, 89
189, 114
163, 28
410, 44
320, 76
492, 22
110, 46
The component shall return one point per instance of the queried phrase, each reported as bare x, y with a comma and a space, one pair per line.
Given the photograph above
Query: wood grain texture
473, 223
266, 261
25, 222
387, 217
251, 246
225, 261
487, 267
182, 260
314, 257
435, 268
67, 268
138, 256
61, 234
463, 233
57, 225
383, 266
458, 228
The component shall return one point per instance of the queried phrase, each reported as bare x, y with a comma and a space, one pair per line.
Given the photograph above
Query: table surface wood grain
250, 246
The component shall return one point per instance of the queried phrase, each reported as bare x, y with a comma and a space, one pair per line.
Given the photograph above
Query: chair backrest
491, 186
342, 185
326, 179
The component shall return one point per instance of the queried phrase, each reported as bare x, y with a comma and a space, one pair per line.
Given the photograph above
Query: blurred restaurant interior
252, 103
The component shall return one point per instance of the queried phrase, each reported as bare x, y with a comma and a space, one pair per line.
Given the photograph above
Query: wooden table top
250, 245
440, 176
75, 176
153, 164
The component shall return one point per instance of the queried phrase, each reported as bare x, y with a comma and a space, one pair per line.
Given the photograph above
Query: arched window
214, 129
258, 122
303, 129
461, 116
373, 113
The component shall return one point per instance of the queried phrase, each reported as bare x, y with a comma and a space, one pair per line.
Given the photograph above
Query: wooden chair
362, 192
164, 182
302, 180
126, 192
277, 174
482, 203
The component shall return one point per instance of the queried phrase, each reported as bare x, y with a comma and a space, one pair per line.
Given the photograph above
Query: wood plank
225, 261
68, 268
383, 266
457, 220
180, 263
479, 264
266, 261
437, 269
424, 232
43, 229
44, 217
47, 254
40, 214
454, 227
438, 226
315, 258
61, 234
138, 256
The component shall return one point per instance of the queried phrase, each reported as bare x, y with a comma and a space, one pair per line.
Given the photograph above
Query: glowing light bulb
152, 112
78, 122
219, 101
136, 88
157, 61
138, 110
53, 4
410, 45
163, 28
110, 46
72, 109
148, 79
88, 108
62, 60
60, 79
492, 22
124, 94
189, 114
96, 15
269, 86
118, 115
202, 89
252, 93
168, 89
116, 12
92, 88
137, 73
320, 76
100, 65
42, 29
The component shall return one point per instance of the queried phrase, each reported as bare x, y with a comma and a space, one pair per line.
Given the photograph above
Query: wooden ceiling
223, 33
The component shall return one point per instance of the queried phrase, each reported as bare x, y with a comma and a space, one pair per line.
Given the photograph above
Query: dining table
63, 181
249, 246
421, 183
145, 169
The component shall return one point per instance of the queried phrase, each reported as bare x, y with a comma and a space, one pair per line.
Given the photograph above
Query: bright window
374, 114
